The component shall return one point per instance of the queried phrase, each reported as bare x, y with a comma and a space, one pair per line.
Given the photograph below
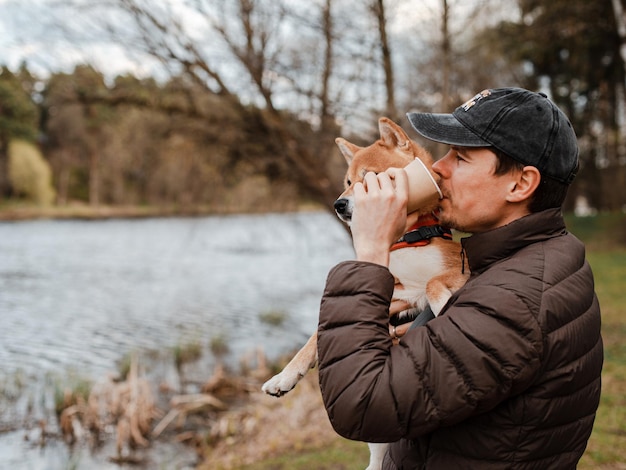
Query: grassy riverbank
607, 447
16, 210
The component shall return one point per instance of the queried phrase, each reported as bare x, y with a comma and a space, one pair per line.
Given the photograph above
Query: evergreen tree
570, 48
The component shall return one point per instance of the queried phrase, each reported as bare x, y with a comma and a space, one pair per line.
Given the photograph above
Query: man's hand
397, 306
379, 217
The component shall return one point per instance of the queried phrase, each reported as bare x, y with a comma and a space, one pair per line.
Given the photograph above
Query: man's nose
438, 166
442, 166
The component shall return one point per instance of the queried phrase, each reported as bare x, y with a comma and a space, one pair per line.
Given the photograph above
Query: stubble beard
448, 222
447, 219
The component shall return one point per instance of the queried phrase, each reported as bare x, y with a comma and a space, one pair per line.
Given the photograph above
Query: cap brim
445, 128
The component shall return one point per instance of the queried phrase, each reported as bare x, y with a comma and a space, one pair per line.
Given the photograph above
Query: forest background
209, 106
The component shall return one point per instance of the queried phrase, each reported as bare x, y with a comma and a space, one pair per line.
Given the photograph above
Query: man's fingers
400, 180
370, 182
398, 331
398, 306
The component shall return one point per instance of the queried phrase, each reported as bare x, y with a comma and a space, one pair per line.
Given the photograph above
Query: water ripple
81, 294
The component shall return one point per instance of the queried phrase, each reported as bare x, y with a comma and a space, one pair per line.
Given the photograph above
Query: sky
50, 36
40, 33
46, 41
23, 36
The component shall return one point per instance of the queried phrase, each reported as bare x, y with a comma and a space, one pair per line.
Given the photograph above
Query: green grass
608, 440
219, 345
71, 391
341, 455
601, 232
605, 237
187, 353
273, 317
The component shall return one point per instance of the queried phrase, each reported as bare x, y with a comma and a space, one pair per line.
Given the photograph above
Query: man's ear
524, 184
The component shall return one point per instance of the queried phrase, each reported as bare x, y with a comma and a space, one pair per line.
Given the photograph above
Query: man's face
474, 197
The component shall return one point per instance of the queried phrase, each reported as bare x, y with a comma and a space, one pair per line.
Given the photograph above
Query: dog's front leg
301, 363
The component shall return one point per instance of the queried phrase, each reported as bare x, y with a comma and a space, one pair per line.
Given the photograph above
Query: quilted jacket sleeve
377, 392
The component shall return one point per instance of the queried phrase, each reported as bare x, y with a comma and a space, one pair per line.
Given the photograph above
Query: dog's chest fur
413, 268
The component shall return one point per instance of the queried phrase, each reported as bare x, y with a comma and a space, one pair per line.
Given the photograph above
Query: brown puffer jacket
507, 376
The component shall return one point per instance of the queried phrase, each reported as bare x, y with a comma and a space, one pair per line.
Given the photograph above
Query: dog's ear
347, 149
392, 134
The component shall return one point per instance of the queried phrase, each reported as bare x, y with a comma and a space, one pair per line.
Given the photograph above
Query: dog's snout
343, 208
341, 205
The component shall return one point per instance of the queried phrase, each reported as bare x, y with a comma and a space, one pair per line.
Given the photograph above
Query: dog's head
394, 149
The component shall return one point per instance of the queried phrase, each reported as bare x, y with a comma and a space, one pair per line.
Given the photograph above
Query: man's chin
447, 221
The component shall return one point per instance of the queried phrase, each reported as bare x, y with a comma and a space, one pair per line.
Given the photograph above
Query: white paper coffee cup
423, 188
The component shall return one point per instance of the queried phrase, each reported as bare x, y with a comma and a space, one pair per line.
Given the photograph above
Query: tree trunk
620, 112
446, 53
5, 184
379, 10
94, 178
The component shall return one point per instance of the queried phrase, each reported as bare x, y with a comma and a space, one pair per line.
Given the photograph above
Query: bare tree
252, 33
378, 9
446, 55
327, 71
620, 19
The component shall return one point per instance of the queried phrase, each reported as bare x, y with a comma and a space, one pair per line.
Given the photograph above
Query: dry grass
229, 422
607, 446
128, 406
12, 211
267, 427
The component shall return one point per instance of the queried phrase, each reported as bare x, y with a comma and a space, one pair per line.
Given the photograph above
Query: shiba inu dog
425, 262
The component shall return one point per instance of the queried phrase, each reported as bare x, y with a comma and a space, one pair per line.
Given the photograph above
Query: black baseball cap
522, 124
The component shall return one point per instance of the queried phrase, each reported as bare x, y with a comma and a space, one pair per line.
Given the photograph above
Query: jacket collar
483, 249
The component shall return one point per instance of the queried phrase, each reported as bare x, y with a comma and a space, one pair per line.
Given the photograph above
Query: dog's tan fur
424, 275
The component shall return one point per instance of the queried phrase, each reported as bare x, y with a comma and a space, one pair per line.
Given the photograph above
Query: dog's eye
349, 183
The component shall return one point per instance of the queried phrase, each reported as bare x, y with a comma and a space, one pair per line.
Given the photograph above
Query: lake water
80, 295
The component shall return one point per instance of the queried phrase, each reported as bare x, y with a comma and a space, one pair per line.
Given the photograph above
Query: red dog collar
420, 233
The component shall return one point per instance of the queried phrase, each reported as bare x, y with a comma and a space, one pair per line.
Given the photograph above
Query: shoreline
79, 211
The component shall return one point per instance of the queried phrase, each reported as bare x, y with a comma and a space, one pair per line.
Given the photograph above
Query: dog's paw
281, 384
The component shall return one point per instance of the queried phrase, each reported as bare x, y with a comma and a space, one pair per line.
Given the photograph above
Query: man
508, 375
